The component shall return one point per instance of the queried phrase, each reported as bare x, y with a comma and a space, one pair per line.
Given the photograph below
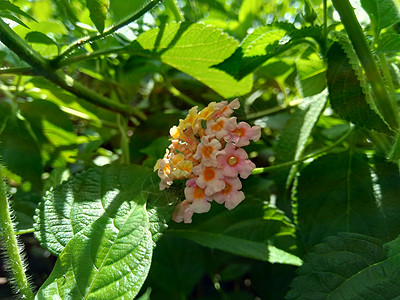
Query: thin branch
294, 162
17, 71
108, 31
41, 66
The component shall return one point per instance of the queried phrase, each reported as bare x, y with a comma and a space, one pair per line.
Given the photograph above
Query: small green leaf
39, 38
346, 94
193, 49
383, 13
335, 193
349, 266
98, 12
109, 258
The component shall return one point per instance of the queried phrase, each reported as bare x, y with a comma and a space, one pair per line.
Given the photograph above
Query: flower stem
11, 246
311, 155
382, 98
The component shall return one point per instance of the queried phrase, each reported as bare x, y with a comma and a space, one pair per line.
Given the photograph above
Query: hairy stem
11, 246
382, 98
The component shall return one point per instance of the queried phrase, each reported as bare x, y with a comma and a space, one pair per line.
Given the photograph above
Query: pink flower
182, 212
209, 178
227, 110
197, 197
207, 151
220, 127
243, 133
230, 194
164, 170
235, 161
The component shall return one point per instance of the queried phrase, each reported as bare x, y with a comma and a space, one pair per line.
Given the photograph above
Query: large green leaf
383, 13
335, 193
193, 49
349, 266
346, 94
244, 232
95, 193
109, 259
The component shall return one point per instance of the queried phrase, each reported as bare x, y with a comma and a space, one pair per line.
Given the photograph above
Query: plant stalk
10, 242
42, 67
382, 98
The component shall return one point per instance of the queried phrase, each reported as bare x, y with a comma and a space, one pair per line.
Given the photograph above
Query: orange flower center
218, 126
232, 161
207, 151
240, 131
198, 193
208, 173
166, 169
227, 189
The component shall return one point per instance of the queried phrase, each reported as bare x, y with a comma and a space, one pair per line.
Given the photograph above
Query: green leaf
20, 151
39, 38
389, 43
98, 12
346, 94
294, 137
178, 264
383, 13
242, 233
110, 258
101, 191
335, 193
349, 266
193, 49
7, 10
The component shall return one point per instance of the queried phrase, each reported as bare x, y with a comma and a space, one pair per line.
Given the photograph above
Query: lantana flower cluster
206, 150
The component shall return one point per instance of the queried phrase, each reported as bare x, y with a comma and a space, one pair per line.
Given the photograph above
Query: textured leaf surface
383, 13
389, 44
335, 194
98, 192
193, 49
242, 233
346, 94
110, 257
349, 266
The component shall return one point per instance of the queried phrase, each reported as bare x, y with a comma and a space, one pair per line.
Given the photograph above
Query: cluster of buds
206, 149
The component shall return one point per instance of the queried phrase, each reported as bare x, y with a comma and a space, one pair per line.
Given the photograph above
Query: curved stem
108, 31
11, 246
294, 162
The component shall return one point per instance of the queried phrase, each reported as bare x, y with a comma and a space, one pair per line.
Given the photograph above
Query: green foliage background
89, 90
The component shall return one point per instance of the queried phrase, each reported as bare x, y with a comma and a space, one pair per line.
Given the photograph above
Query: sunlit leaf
193, 49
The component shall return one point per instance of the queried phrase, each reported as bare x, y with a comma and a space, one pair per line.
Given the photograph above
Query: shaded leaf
389, 43
335, 194
193, 49
383, 13
346, 94
241, 232
39, 38
349, 266
20, 150
98, 12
